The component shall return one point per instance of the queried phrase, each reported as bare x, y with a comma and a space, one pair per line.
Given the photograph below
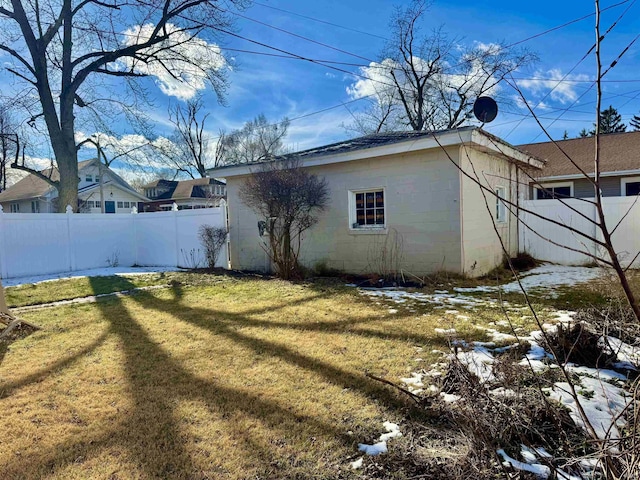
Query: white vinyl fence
535, 233
39, 244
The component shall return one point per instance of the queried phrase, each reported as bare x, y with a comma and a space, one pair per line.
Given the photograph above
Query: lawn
213, 377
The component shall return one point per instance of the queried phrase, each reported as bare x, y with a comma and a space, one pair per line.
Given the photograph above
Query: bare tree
8, 143
64, 50
433, 80
256, 141
189, 149
288, 198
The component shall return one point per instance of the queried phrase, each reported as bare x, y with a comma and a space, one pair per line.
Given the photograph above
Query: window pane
632, 188
544, 194
371, 219
562, 192
380, 199
370, 200
359, 200
126, 205
360, 216
379, 216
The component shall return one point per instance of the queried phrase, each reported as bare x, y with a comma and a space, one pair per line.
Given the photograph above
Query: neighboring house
407, 183
35, 195
187, 194
619, 166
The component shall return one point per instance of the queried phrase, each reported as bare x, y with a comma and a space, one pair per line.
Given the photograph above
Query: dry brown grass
241, 378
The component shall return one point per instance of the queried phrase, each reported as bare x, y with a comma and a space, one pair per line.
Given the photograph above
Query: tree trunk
68, 186
3, 303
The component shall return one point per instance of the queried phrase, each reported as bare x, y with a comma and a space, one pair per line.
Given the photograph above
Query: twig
414, 397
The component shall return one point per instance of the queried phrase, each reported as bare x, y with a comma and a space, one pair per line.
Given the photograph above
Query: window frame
623, 184
15, 207
353, 215
88, 177
501, 207
119, 204
547, 185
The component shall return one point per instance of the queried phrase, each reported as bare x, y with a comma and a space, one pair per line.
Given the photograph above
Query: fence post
174, 209
134, 220
4, 269
70, 249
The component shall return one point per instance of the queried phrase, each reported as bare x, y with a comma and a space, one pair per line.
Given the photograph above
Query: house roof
35, 187
179, 190
32, 186
619, 152
394, 142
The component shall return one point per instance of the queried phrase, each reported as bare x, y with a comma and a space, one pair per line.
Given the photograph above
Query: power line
321, 21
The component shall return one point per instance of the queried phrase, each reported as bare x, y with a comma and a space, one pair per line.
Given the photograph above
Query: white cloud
562, 89
180, 64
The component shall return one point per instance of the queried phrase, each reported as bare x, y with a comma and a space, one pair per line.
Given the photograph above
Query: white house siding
422, 205
25, 206
481, 249
118, 196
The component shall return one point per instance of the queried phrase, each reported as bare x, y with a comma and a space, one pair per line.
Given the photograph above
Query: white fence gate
39, 244
535, 232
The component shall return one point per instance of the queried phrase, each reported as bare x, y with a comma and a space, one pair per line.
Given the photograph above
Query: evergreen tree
583, 133
565, 135
635, 122
610, 122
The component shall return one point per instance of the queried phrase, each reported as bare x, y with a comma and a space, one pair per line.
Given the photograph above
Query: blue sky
281, 87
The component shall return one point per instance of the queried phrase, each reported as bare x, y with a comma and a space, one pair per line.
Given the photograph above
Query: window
368, 210
89, 178
97, 179
151, 192
35, 206
501, 208
126, 205
90, 203
98, 205
120, 205
554, 190
15, 208
630, 186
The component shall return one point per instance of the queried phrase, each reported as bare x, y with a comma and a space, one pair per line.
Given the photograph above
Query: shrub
213, 239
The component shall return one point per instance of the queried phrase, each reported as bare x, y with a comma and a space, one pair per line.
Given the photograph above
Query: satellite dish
485, 109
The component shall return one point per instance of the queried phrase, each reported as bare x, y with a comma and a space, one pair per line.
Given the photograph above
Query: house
619, 166
35, 195
407, 190
187, 194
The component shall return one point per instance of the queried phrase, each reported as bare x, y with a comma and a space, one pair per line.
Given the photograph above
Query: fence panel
548, 241
38, 244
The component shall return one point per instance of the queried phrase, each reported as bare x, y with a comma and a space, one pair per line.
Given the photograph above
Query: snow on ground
546, 277
392, 431
95, 272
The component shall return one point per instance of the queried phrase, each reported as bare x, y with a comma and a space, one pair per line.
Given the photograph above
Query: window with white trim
15, 208
89, 177
126, 204
630, 186
501, 208
35, 206
553, 190
367, 209
120, 205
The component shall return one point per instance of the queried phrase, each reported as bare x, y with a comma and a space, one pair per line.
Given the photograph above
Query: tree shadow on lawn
157, 383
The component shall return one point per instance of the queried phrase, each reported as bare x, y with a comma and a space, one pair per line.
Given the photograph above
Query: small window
89, 178
98, 205
97, 179
501, 208
547, 192
630, 186
126, 205
368, 209
120, 205
35, 206
15, 208
90, 203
